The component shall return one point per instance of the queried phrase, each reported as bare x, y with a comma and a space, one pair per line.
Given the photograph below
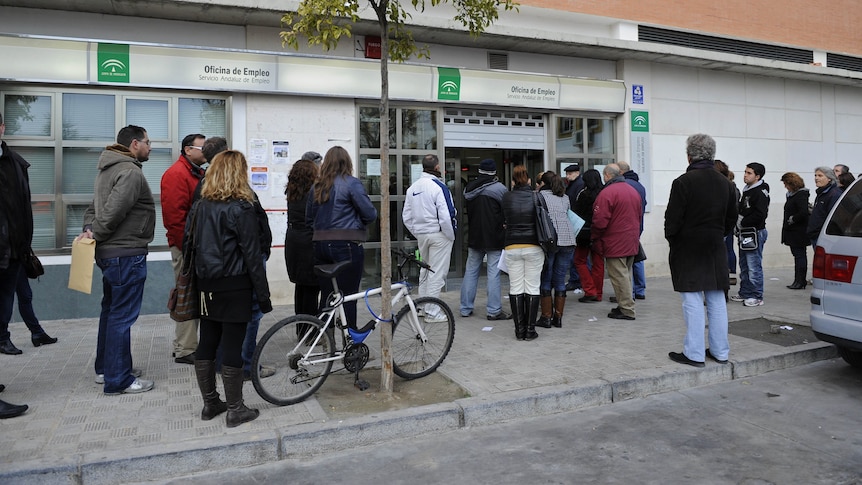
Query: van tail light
833, 267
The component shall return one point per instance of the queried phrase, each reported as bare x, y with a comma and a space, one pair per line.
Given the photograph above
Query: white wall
785, 124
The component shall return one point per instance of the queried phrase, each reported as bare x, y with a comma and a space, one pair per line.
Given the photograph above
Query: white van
836, 301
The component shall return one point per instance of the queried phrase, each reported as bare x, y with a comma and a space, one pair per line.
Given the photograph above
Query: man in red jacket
178, 188
615, 233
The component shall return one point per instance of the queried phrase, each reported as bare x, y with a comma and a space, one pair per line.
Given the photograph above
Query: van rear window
847, 218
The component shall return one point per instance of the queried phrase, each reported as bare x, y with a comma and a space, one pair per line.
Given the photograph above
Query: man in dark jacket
753, 209
16, 234
615, 233
485, 238
575, 184
122, 220
700, 211
638, 274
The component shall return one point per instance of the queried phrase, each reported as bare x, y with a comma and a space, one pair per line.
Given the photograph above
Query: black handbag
748, 238
32, 266
184, 299
545, 226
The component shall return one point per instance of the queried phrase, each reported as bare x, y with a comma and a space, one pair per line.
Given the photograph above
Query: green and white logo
640, 121
448, 84
113, 63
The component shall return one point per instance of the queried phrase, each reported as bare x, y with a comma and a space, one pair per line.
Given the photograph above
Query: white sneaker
100, 378
137, 387
436, 319
752, 302
578, 291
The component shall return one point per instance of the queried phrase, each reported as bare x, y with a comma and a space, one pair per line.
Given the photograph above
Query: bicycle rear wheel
411, 357
286, 347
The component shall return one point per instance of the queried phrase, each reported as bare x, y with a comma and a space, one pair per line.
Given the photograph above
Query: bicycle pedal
362, 385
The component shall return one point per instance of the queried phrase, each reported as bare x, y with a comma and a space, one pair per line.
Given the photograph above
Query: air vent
844, 62
721, 44
498, 61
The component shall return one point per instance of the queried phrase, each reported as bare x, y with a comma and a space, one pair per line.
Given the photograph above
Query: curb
153, 463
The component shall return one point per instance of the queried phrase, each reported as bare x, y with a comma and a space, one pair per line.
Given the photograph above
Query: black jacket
793, 229
227, 248
484, 198
519, 211
754, 206
584, 208
16, 213
826, 198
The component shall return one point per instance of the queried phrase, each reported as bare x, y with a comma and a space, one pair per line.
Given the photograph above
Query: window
62, 134
586, 141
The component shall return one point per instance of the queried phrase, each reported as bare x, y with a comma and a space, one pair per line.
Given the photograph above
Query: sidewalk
73, 433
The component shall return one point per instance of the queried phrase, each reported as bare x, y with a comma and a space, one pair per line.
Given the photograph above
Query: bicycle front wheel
289, 348
411, 357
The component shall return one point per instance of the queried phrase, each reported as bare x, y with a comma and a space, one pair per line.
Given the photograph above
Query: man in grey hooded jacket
122, 219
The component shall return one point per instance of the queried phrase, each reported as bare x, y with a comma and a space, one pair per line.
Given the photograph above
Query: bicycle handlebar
412, 258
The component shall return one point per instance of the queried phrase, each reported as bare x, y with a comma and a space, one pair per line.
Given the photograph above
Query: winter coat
700, 211
122, 215
179, 183
584, 207
558, 207
345, 215
633, 179
227, 248
617, 215
754, 205
484, 198
574, 188
298, 248
795, 225
826, 198
425, 208
519, 212
16, 211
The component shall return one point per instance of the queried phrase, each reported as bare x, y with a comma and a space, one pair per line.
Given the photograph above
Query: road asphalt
74, 433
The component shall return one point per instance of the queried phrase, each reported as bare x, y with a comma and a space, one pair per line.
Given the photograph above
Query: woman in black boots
524, 256
229, 269
795, 225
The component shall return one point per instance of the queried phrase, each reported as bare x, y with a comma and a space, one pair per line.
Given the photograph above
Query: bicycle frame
335, 309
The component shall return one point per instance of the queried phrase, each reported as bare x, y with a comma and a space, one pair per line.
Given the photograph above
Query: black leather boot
237, 412
544, 321
799, 281
531, 315
8, 410
517, 304
213, 405
559, 306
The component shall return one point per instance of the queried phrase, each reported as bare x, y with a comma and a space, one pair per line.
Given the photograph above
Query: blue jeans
638, 279
751, 269
471, 281
557, 265
122, 293
8, 282
716, 313
250, 341
574, 277
326, 252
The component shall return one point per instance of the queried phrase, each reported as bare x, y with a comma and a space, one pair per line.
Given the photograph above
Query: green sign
448, 84
640, 120
113, 63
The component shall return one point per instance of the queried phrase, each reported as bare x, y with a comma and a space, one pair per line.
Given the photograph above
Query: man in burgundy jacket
178, 188
615, 233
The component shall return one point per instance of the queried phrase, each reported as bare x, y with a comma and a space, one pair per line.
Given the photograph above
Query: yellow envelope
81, 270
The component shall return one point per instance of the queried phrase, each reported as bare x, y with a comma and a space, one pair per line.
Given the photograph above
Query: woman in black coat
592, 280
794, 227
828, 193
298, 248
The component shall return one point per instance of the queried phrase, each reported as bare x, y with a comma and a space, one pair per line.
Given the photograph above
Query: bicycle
302, 348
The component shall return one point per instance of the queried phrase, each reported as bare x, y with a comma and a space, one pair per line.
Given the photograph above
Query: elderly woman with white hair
827, 194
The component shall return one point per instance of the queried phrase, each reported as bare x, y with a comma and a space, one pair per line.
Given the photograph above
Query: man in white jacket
429, 215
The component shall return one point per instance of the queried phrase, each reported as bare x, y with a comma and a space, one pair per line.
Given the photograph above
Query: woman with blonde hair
229, 267
524, 256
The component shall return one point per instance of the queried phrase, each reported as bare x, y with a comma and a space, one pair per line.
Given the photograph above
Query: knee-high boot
237, 412
799, 281
213, 405
531, 315
517, 304
559, 306
545, 303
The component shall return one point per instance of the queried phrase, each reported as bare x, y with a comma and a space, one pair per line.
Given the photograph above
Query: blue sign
637, 94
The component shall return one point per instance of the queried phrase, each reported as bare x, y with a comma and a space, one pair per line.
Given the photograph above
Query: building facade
546, 86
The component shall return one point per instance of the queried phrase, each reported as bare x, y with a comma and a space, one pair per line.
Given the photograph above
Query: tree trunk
386, 374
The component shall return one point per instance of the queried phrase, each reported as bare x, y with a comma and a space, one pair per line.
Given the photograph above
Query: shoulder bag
32, 266
544, 225
184, 300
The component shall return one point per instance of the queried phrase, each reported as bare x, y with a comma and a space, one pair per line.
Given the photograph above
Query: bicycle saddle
330, 270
